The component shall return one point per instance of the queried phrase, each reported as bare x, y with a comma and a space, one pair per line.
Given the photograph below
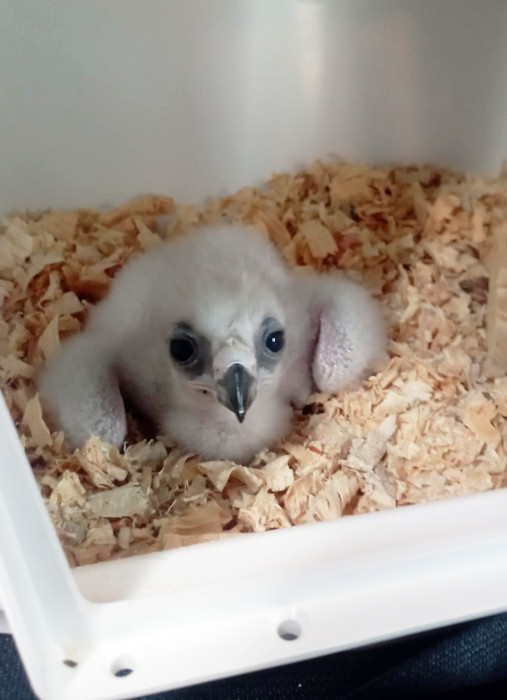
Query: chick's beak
237, 390
235, 373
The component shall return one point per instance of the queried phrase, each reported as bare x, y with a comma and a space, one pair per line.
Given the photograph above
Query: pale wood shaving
66, 304
478, 414
264, 513
318, 239
146, 237
16, 245
33, 421
274, 228
330, 501
49, 341
277, 474
431, 424
60, 224
139, 207
121, 502
366, 453
100, 461
497, 306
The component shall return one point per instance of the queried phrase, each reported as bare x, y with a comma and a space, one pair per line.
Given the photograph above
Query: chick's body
191, 333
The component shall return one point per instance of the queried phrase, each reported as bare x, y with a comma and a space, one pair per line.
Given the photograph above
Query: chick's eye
183, 350
275, 341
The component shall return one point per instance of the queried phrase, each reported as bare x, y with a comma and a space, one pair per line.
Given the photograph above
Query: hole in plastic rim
123, 672
70, 663
289, 630
123, 666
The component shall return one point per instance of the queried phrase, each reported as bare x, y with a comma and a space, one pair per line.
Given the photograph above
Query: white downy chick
213, 338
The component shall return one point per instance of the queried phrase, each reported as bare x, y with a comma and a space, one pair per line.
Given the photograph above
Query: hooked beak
235, 375
237, 390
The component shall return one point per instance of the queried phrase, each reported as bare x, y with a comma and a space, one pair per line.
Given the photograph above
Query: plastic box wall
103, 101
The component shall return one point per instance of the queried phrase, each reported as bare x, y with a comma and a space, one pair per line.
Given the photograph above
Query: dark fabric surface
466, 661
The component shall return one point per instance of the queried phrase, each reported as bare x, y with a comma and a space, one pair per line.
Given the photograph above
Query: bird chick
213, 338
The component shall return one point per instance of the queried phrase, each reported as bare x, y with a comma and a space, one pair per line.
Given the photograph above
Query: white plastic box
102, 101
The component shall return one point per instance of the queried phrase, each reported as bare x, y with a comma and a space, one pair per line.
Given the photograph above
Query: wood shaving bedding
429, 243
